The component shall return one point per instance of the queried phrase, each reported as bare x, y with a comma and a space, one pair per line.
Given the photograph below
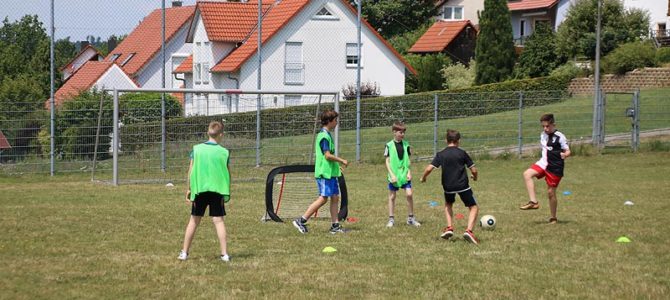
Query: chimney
176, 3
81, 45
111, 43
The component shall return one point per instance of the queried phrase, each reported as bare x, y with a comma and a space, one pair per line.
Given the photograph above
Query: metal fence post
258, 130
636, 120
520, 124
602, 110
163, 131
115, 141
435, 125
52, 103
337, 128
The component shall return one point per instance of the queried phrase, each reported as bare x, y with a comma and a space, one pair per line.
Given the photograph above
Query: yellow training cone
623, 239
329, 250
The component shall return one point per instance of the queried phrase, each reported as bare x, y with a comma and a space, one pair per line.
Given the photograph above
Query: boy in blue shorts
209, 185
454, 161
399, 175
326, 172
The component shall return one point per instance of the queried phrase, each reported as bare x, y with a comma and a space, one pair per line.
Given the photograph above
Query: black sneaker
302, 227
336, 229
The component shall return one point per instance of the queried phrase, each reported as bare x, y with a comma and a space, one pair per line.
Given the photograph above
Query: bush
368, 89
458, 76
569, 70
539, 53
428, 68
630, 56
663, 55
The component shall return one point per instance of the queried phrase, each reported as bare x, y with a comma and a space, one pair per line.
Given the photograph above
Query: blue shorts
405, 186
328, 187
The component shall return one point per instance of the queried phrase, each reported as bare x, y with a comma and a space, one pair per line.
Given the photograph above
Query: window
205, 73
352, 54
292, 100
324, 13
294, 68
453, 13
114, 57
197, 69
125, 61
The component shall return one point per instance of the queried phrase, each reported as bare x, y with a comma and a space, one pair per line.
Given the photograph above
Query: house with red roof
526, 14
459, 10
456, 39
306, 46
87, 53
137, 60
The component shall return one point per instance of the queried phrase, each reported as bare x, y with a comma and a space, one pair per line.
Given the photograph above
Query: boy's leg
449, 213
334, 208
528, 177
472, 216
221, 233
553, 202
193, 223
392, 195
410, 208
314, 207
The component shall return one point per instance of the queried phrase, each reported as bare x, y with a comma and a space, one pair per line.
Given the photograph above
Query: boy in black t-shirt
453, 161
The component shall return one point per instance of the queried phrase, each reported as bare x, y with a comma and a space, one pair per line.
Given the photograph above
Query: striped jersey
552, 146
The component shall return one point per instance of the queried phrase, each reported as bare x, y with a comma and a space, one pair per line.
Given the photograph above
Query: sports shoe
182, 255
336, 229
390, 223
530, 205
470, 237
553, 220
225, 258
302, 227
413, 222
447, 233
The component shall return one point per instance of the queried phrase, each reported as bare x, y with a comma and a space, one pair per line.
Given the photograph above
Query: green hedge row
376, 112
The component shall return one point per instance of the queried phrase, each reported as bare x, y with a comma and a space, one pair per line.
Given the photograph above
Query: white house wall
114, 77
324, 45
658, 10
470, 9
150, 75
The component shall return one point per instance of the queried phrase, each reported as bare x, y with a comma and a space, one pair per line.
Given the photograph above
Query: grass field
65, 237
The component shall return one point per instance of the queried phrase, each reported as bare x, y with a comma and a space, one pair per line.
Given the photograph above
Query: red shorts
551, 179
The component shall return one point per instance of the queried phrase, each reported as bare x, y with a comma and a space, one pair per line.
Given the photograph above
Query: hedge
381, 111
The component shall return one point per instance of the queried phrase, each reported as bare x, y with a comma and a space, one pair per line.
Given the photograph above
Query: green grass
65, 237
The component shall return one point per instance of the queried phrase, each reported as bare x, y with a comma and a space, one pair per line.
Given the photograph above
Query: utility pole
597, 102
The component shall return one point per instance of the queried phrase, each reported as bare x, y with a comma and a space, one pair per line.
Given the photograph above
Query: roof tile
530, 4
145, 40
439, 36
83, 79
229, 21
4, 144
186, 66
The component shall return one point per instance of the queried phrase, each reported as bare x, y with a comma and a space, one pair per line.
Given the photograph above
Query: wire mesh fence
490, 124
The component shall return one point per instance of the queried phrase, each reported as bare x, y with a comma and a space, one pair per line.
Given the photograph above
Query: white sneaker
390, 223
413, 222
182, 255
225, 258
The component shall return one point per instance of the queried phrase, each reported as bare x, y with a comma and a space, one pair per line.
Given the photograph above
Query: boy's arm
331, 157
388, 168
429, 168
473, 170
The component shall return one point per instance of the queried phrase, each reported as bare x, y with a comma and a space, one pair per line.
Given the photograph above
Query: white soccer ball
488, 222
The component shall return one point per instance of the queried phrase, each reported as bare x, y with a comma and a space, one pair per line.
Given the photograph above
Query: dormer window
125, 61
324, 13
114, 57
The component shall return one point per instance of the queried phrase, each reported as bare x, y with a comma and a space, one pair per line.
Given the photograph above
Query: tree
394, 17
539, 53
459, 76
429, 72
405, 41
576, 36
495, 54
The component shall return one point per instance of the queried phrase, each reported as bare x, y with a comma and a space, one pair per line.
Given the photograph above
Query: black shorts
466, 196
211, 199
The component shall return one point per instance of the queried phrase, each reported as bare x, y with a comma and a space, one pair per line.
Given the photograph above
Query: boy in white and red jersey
555, 150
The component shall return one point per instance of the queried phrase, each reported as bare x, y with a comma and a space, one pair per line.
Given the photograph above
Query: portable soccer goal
289, 190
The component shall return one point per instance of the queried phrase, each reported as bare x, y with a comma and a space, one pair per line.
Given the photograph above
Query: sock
411, 216
391, 217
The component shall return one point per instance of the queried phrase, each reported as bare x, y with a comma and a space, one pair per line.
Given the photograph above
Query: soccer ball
488, 222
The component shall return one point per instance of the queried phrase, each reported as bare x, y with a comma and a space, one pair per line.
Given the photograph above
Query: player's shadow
546, 222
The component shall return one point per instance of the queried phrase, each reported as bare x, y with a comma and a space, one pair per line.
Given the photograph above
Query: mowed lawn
64, 238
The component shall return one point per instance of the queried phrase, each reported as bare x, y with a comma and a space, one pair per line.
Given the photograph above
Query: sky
80, 18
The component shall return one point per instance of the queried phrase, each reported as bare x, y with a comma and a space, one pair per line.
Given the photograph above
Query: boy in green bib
209, 185
399, 175
326, 172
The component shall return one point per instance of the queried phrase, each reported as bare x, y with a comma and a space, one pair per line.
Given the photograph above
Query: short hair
214, 129
398, 126
453, 136
328, 115
547, 118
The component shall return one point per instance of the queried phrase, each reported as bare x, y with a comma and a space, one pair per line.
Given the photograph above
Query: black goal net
289, 190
